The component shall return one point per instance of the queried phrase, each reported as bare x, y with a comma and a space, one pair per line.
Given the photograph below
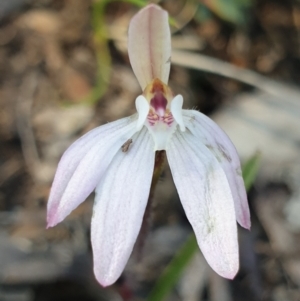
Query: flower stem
130, 280
158, 168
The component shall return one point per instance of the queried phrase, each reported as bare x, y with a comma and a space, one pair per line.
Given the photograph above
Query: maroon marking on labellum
159, 104
168, 119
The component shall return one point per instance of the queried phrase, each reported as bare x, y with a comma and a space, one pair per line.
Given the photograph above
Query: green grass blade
250, 170
173, 271
102, 52
139, 3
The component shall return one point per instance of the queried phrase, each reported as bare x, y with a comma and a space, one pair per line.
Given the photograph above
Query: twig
23, 122
212, 65
9, 169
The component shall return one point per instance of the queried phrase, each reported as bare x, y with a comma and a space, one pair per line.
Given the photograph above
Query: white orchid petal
83, 164
221, 146
207, 201
142, 107
121, 199
149, 45
176, 110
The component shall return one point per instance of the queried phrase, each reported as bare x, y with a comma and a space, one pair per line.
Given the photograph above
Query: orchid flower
117, 161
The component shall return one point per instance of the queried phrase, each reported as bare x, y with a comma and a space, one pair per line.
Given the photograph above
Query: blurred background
64, 69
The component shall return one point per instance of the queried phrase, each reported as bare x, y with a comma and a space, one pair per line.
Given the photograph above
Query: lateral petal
149, 45
176, 110
82, 165
142, 107
121, 199
206, 198
221, 146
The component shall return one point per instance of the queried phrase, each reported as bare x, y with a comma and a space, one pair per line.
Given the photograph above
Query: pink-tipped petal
121, 199
221, 146
82, 165
149, 45
206, 198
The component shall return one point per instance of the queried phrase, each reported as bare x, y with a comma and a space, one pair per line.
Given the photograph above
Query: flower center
160, 112
159, 104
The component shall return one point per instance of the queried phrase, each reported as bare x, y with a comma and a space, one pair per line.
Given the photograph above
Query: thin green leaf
139, 3
250, 170
234, 11
102, 52
173, 271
